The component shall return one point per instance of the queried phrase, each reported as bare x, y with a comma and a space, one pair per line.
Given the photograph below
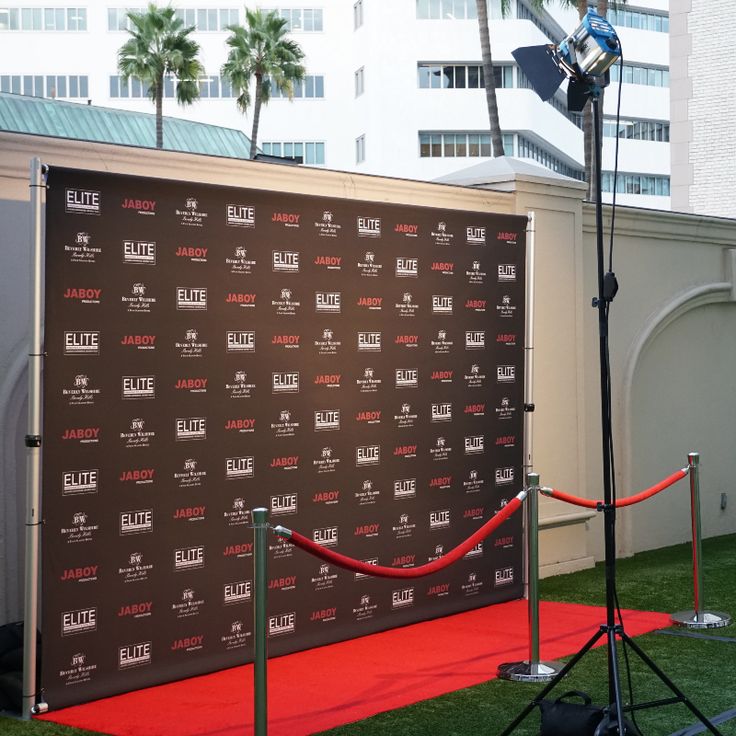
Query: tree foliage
261, 56
160, 45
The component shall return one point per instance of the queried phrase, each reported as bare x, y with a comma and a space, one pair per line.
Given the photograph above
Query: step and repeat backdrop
355, 367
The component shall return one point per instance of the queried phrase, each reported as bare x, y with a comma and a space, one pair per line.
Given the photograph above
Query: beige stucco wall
673, 339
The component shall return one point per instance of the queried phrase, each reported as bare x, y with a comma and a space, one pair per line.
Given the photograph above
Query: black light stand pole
609, 508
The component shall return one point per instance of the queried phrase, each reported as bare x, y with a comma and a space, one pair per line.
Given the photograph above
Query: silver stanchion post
698, 618
260, 585
532, 669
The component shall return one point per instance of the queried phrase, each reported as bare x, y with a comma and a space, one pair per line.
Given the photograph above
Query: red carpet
329, 686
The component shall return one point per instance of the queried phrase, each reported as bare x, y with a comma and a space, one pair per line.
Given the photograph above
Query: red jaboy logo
474, 513
475, 409
407, 340
286, 340
506, 236
441, 481
85, 294
139, 341
446, 267
285, 462
324, 614
188, 643
82, 434
405, 451
367, 530
138, 475
287, 218
136, 610
240, 424
328, 261
439, 589
147, 206
238, 297
326, 497
191, 384
237, 550
191, 251
79, 573
371, 417
403, 561
283, 583
478, 305
189, 512
407, 229
327, 379
506, 338
506, 440
372, 302
443, 376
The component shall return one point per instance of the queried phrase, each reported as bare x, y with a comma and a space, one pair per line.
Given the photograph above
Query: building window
646, 184
307, 20
357, 14
640, 130
359, 82
208, 19
117, 18
646, 21
461, 76
52, 85
312, 86
212, 87
528, 149
446, 10
644, 75
43, 19
360, 149
202, 19
311, 152
460, 145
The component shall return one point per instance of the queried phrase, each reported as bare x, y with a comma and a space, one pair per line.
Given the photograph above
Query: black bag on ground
562, 718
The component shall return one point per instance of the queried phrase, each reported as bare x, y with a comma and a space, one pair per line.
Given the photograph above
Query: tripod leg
533, 704
671, 685
615, 682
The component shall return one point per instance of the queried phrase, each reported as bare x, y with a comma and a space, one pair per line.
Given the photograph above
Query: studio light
584, 57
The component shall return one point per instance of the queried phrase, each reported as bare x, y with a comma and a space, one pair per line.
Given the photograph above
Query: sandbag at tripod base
563, 718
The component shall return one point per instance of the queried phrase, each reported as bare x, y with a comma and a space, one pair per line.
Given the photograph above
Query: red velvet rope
453, 555
621, 502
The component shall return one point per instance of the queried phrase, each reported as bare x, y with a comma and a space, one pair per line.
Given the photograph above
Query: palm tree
159, 45
489, 78
261, 53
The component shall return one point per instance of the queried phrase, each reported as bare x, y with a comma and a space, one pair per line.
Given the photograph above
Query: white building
392, 88
703, 110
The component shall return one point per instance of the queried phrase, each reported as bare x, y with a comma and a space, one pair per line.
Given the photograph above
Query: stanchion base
529, 671
706, 619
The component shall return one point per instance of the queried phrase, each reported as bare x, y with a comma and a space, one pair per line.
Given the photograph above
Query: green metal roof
40, 116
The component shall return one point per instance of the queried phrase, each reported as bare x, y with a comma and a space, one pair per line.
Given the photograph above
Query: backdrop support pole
260, 584
33, 449
531, 670
698, 618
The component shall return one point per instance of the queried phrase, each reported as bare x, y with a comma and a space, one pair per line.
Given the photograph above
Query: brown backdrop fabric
356, 367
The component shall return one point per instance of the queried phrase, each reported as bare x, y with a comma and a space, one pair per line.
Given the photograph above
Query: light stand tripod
614, 721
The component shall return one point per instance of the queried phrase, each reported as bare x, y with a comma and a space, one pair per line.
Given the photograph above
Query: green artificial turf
661, 580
